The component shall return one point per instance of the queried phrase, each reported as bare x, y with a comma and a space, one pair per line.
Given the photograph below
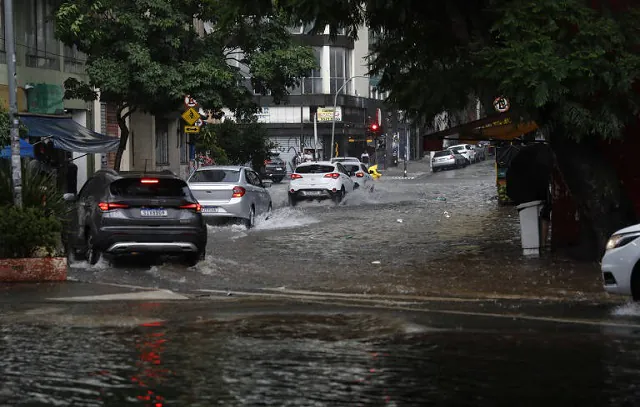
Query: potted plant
31, 247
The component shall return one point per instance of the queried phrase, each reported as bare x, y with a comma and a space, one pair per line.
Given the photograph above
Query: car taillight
453, 157
359, 174
296, 176
149, 181
107, 206
333, 175
195, 206
238, 192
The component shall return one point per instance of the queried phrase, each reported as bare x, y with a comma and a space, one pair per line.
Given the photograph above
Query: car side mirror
69, 197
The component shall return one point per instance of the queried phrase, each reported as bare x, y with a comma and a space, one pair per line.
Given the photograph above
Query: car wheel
434, 169
193, 259
339, 196
93, 254
269, 211
292, 201
250, 222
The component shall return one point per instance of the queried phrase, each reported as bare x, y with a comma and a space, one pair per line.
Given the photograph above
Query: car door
254, 187
83, 206
263, 195
345, 177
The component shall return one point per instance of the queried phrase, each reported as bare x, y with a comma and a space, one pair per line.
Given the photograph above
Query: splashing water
284, 218
628, 309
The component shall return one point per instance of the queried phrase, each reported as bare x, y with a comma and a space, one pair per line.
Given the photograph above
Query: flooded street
413, 295
401, 239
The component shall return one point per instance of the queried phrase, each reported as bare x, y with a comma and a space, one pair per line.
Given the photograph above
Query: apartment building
42, 65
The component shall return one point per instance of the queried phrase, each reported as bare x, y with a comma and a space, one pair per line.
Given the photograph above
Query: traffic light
373, 127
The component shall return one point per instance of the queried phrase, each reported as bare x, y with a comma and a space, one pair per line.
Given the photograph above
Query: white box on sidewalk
530, 227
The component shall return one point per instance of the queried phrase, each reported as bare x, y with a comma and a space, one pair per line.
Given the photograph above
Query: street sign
191, 129
191, 116
501, 104
190, 102
198, 123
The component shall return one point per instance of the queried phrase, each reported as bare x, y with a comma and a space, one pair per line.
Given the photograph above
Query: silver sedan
230, 192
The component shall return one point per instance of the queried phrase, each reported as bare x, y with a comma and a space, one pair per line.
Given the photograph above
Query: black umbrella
529, 174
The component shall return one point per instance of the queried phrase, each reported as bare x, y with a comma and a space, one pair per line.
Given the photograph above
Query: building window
340, 68
313, 84
74, 60
162, 142
43, 49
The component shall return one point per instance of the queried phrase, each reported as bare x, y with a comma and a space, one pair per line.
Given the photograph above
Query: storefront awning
496, 127
67, 134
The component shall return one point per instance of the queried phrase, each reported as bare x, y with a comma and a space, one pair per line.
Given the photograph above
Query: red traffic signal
374, 127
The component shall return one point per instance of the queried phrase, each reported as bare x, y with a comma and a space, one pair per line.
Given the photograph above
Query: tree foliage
564, 62
236, 143
145, 55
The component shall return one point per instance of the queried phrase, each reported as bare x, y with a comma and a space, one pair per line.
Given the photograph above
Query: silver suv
119, 213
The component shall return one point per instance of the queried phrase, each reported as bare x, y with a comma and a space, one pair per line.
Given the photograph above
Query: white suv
319, 180
466, 150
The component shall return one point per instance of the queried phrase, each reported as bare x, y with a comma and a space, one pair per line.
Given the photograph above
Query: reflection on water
323, 361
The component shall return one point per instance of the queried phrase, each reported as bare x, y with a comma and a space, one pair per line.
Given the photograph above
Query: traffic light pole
335, 106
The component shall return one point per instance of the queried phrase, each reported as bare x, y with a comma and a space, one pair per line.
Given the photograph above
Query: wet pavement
414, 295
433, 234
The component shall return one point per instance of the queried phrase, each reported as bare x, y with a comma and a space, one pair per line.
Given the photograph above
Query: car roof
221, 167
112, 174
304, 164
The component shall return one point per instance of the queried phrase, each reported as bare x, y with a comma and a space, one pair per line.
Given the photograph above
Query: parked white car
466, 150
359, 174
230, 192
319, 180
621, 263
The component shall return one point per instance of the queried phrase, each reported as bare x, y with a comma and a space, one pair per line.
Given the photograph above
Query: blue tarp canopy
26, 150
68, 135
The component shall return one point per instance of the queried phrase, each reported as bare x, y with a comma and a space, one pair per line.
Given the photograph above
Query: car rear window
314, 169
149, 187
217, 175
352, 167
442, 153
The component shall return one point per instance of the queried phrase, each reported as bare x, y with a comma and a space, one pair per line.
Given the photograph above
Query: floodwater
314, 360
440, 233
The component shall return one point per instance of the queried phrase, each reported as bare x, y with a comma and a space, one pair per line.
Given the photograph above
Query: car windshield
442, 153
314, 169
149, 187
217, 175
352, 167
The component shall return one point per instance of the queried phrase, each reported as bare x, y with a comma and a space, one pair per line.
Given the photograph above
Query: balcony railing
43, 61
73, 65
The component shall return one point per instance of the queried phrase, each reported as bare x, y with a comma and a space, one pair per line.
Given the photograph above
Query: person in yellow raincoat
373, 170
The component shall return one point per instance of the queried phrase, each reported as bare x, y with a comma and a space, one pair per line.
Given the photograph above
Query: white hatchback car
359, 174
621, 263
466, 150
319, 180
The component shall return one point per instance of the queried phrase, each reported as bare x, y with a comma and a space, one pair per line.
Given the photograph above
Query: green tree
146, 55
236, 143
571, 65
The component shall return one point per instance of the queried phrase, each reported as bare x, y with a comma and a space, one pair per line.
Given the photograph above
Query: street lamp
335, 106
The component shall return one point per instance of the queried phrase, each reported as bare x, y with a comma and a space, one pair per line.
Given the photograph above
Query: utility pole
16, 169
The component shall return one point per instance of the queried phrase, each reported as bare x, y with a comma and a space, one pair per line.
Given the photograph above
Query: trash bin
530, 227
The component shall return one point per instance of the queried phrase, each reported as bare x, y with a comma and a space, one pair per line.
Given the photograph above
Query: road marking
400, 177
139, 296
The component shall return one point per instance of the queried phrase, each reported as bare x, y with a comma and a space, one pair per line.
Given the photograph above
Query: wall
142, 141
360, 63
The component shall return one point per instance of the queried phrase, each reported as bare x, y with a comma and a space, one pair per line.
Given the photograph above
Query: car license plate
153, 213
313, 193
210, 209
278, 169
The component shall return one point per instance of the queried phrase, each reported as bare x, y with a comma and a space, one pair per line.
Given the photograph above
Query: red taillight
359, 174
149, 181
333, 175
107, 206
296, 176
195, 206
238, 192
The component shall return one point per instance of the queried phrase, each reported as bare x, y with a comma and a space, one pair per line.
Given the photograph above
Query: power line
46, 52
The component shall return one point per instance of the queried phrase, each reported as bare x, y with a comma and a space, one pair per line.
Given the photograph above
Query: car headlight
622, 239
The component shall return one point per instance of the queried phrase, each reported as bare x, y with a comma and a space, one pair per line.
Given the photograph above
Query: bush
24, 232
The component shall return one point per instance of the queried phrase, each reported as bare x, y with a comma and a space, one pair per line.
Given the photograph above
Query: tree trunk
602, 203
124, 135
